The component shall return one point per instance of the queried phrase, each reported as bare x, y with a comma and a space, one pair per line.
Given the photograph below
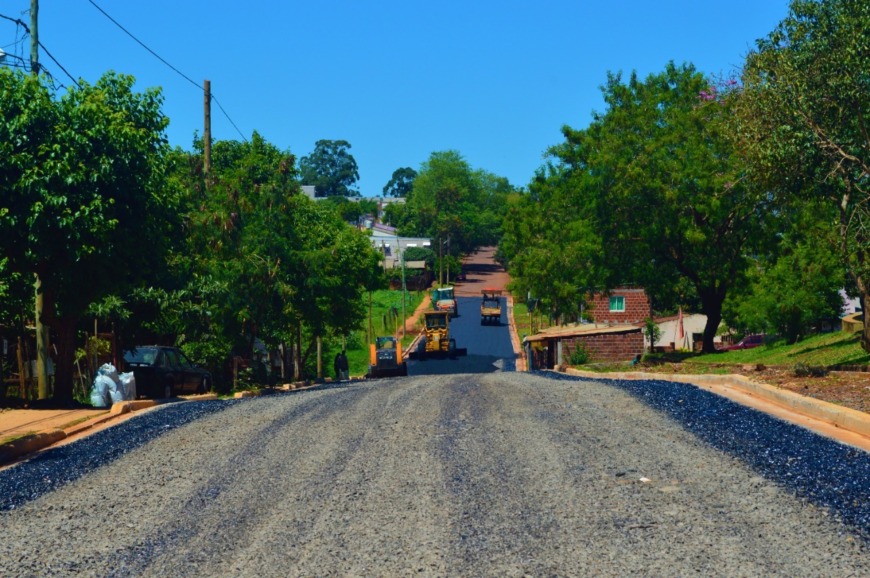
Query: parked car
162, 371
748, 342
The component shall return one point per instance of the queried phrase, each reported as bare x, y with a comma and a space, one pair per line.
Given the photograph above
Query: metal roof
563, 331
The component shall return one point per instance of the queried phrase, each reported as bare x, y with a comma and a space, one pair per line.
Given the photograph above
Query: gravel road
499, 474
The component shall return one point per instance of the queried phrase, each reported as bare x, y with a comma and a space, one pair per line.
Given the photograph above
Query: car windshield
143, 355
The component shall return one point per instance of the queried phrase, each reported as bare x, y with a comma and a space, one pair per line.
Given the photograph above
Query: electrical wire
161, 59
21, 24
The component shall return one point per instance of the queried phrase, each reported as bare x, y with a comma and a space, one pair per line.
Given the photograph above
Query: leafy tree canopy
85, 207
450, 200
331, 169
650, 193
803, 120
401, 182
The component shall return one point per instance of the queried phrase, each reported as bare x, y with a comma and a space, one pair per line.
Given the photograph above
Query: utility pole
448, 259
206, 131
440, 262
402, 258
34, 37
41, 331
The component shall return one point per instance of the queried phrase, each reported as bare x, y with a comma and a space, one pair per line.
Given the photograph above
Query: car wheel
168, 390
204, 386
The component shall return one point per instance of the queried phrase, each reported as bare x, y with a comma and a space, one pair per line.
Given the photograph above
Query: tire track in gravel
221, 518
825, 472
188, 525
708, 510
501, 474
495, 528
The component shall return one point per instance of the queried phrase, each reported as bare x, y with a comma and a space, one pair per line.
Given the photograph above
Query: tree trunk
711, 301
865, 331
65, 329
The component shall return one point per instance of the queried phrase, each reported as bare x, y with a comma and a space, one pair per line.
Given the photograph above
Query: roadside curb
11, 451
845, 418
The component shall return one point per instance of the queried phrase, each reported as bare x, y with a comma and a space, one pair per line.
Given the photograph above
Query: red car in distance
747, 342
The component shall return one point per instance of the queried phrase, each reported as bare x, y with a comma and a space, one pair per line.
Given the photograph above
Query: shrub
578, 355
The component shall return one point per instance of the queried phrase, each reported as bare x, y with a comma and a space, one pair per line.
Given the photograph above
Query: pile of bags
110, 387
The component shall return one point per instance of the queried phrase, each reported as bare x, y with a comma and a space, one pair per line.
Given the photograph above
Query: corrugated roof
581, 329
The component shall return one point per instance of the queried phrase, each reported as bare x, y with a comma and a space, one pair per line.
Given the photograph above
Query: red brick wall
636, 307
621, 346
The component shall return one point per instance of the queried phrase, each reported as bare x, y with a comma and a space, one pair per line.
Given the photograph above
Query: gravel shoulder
503, 474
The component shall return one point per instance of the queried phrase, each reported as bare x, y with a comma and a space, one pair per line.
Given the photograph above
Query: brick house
626, 305
552, 347
614, 335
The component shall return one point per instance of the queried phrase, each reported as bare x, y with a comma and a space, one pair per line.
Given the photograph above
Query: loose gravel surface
501, 474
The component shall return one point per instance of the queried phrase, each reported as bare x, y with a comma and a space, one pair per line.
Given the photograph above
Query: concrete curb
842, 417
13, 450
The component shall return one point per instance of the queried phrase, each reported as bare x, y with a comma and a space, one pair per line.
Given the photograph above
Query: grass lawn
386, 320
825, 350
525, 324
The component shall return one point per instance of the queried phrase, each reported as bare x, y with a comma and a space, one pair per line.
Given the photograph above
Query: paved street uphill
489, 346
498, 474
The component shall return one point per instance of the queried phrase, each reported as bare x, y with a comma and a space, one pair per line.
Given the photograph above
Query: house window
617, 304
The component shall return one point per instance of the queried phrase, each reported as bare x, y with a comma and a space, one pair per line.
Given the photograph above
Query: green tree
267, 262
400, 183
85, 207
803, 120
450, 200
331, 169
553, 253
794, 288
660, 185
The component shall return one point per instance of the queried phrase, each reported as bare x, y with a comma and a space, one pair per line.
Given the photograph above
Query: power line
20, 23
161, 59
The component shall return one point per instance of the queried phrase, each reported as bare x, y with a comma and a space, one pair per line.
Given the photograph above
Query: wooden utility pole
206, 132
41, 332
34, 37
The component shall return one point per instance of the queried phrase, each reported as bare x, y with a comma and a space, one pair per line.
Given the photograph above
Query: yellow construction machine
436, 340
490, 307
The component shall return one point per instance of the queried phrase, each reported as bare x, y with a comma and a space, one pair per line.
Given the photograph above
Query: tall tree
553, 253
663, 189
85, 205
804, 118
331, 169
451, 200
400, 183
267, 263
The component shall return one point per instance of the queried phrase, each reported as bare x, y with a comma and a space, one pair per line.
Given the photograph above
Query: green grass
525, 324
383, 302
826, 350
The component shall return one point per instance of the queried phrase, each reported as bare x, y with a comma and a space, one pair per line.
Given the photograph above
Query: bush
578, 355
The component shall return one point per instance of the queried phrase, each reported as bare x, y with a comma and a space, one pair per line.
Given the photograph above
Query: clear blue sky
494, 80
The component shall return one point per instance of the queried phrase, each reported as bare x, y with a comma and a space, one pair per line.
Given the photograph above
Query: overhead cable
161, 59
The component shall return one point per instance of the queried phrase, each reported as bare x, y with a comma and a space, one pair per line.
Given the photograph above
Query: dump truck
490, 307
436, 340
385, 358
444, 299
